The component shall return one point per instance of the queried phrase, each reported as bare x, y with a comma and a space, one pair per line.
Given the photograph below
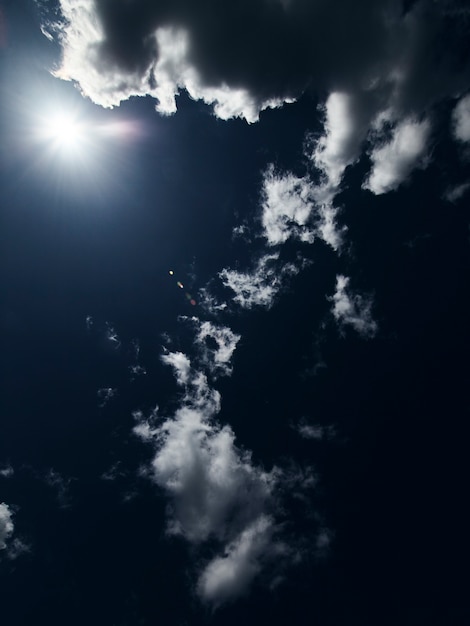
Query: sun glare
64, 131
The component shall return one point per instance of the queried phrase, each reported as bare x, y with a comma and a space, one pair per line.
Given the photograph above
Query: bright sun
65, 131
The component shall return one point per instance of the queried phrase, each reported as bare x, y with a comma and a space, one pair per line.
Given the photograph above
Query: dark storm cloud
247, 55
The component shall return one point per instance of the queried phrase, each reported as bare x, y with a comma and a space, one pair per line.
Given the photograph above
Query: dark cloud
247, 55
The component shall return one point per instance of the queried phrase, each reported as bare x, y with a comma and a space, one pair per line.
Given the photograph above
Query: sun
64, 130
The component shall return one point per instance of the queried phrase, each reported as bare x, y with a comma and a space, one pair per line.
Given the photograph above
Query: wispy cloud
61, 485
353, 309
216, 345
461, 119
6, 525
308, 430
7, 471
456, 192
260, 286
105, 394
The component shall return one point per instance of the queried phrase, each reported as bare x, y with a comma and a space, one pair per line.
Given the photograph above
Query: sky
235, 245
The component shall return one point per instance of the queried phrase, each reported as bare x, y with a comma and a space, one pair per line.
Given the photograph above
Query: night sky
235, 263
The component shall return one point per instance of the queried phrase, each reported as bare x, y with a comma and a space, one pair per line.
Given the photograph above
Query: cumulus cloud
260, 286
218, 496
383, 56
346, 127
394, 161
461, 119
295, 208
287, 208
6, 525
353, 309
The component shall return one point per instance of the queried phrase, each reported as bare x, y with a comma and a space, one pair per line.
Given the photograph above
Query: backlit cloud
382, 57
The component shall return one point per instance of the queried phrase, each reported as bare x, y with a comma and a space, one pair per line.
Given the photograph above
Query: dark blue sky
307, 462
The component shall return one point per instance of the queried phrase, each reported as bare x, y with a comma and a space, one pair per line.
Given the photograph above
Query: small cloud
314, 431
286, 208
217, 345
114, 472
346, 127
295, 208
260, 286
105, 394
60, 485
112, 336
393, 162
353, 309
181, 366
89, 322
6, 525
453, 194
137, 370
229, 576
461, 120
7, 471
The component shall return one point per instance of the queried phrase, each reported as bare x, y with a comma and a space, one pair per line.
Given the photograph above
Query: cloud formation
260, 286
6, 525
295, 208
461, 119
393, 162
218, 497
216, 345
353, 309
383, 57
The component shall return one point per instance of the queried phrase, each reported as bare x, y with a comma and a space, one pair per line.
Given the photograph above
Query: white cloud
346, 127
6, 525
461, 119
383, 57
230, 575
453, 194
353, 309
181, 366
287, 208
295, 208
7, 471
327, 227
217, 358
394, 161
260, 286
218, 497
